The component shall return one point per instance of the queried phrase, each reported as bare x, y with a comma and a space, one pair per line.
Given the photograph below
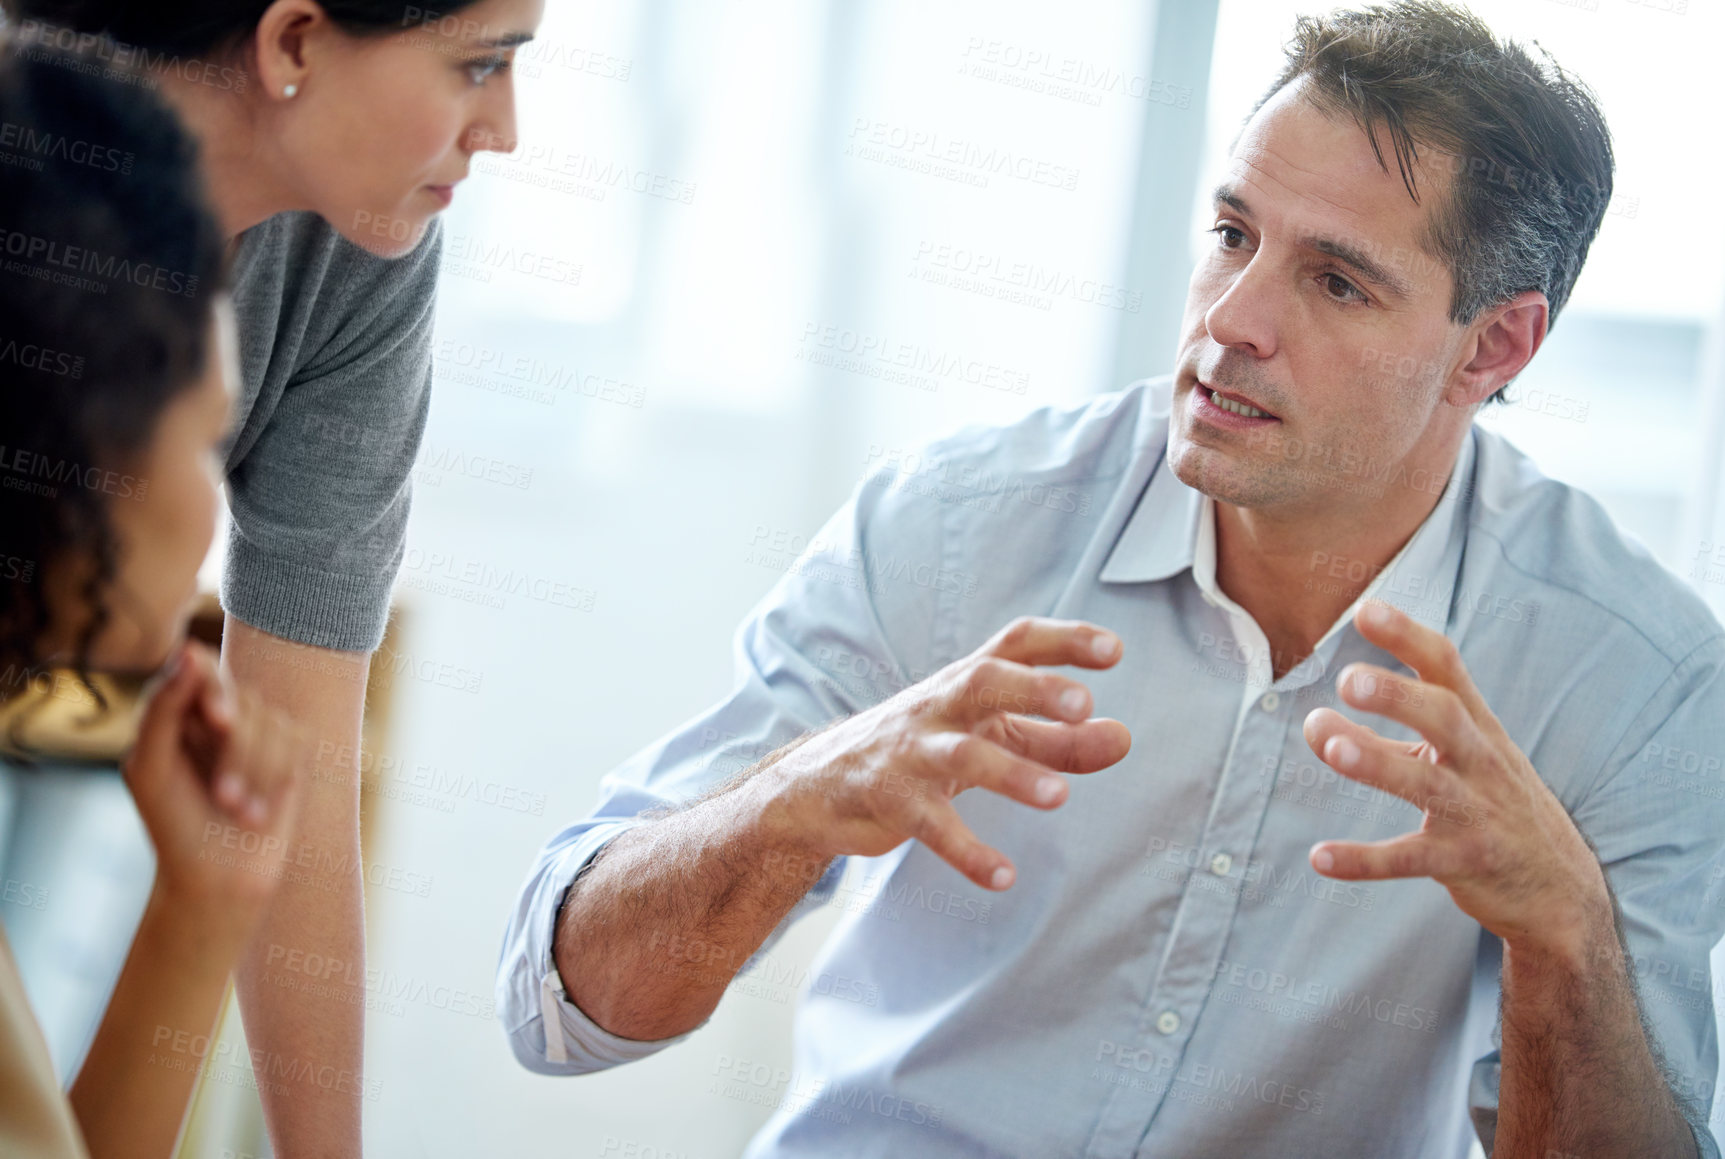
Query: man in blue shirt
1401, 730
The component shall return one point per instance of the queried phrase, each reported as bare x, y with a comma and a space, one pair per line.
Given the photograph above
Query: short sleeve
320, 498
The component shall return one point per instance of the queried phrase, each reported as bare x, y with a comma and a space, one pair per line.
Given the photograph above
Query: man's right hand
887, 775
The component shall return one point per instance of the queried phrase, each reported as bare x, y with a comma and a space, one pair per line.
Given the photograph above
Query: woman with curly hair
116, 370
331, 135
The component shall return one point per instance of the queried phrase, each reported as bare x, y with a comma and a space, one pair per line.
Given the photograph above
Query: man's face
1316, 305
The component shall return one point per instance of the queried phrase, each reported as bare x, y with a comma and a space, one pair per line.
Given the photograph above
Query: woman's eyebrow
508, 40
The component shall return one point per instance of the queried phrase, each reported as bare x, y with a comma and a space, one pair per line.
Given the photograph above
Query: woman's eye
479, 71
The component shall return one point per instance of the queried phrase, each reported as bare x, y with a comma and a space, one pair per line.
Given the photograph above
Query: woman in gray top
331, 134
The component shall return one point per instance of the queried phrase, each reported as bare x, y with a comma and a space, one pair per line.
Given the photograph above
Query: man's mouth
1234, 404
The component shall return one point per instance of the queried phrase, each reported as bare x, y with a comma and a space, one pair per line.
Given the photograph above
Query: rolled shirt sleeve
336, 350
1658, 823
817, 648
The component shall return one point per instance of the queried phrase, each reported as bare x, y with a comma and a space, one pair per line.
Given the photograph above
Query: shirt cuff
573, 1041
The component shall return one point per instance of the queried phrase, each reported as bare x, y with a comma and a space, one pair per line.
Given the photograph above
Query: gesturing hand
216, 775
1493, 834
889, 774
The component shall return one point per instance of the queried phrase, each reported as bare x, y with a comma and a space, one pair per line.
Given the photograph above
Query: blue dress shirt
1169, 977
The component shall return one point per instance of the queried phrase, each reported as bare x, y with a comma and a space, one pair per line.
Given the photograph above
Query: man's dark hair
1530, 156
110, 263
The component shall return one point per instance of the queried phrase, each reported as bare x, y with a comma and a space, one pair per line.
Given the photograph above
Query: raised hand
1493, 834
889, 774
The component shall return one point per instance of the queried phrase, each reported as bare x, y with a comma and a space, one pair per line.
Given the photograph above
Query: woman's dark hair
206, 27
110, 263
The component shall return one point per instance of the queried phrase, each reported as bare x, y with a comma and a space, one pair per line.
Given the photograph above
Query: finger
157, 746
1435, 712
977, 762
266, 772
1041, 640
1086, 747
218, 702
1431, 654
1410, 855
231, 786
987, 685
940, 829
1360, 754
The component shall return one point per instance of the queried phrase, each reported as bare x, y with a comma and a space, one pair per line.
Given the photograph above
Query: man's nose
1244, 317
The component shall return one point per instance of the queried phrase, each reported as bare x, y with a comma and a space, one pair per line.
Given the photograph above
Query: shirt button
1167, 1022
1270, 701
1221, 864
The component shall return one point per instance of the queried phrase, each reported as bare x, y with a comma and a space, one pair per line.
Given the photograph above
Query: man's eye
1342, 290
1223, 232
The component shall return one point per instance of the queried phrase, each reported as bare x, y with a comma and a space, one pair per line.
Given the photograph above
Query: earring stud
290, 91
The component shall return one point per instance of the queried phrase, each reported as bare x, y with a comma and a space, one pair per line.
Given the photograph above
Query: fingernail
1343, 752
1002, 877
1072, 701
1379, 614
257, 812
1104, 646
1365, 683
1047, 789
1323, 861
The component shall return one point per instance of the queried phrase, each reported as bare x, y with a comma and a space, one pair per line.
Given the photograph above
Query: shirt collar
1173, 528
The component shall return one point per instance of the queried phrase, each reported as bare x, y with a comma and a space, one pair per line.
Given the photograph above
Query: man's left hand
1494, 834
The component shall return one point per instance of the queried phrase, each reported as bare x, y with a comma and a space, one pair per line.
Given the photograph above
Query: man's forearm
1579, 1079
299, 1022
652, 934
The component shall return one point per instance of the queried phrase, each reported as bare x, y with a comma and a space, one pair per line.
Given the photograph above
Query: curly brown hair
110, 265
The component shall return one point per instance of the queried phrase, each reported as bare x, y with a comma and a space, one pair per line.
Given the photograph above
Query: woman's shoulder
301, 254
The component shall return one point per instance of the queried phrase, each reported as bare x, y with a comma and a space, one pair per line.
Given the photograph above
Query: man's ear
1501, 341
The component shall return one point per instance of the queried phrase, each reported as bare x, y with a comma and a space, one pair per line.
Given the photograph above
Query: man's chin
1218, 474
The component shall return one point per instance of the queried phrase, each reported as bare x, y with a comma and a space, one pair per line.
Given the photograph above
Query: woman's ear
1503, 341
285, 46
